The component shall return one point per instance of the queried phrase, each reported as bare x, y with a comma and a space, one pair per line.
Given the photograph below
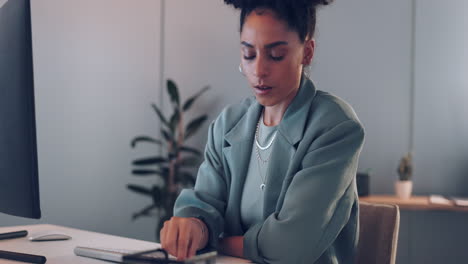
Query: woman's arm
207, 201
232, 246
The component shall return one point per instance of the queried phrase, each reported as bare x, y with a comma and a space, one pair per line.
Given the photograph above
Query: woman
278, 181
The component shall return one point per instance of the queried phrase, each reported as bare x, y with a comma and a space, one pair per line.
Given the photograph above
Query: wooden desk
60, 252
413, 203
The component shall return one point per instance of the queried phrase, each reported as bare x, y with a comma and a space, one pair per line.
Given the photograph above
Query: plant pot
403, 189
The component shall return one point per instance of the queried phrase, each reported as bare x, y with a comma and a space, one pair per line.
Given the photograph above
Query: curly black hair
300, 15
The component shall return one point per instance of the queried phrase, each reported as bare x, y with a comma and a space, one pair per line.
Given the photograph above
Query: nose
261, 67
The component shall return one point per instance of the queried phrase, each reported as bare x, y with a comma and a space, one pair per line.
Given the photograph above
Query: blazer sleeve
207, 201
317, 204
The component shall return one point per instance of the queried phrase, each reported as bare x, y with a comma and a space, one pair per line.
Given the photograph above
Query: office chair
378, 233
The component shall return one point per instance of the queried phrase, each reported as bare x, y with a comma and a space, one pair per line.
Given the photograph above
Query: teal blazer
311, 203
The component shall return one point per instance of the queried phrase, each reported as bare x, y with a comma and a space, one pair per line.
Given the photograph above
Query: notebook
131, 256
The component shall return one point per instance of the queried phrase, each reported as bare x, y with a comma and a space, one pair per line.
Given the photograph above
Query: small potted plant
404, 186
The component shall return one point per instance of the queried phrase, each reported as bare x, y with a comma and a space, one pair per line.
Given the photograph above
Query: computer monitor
19, 186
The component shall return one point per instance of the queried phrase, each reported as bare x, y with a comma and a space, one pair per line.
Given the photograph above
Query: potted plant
404, 186
174, 168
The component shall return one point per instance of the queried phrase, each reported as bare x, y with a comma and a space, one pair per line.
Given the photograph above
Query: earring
240, 69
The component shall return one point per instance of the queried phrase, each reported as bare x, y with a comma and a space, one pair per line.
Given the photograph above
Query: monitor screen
19, 187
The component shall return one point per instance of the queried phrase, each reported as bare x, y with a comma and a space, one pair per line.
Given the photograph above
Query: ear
309, 49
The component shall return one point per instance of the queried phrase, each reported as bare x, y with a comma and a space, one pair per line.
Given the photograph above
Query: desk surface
59, 252
413, 203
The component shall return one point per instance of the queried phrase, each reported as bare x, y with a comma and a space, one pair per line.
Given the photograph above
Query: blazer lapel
290, 132
237, 155
294, 120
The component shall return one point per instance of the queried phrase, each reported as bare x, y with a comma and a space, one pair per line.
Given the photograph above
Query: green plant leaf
172, 155
190, 150
192, 99
157, 196
190, 161
160, 115
163, 172
194, 125
144, 212
173, 92
169, 137
144, 139
142, 172
175, 120
150, 161
139, 189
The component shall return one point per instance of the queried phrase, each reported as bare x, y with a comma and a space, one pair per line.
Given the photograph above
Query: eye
249, 55
277, 58
277, 54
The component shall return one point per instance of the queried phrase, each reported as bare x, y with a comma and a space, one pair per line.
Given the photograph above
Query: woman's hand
232, 246
183, 236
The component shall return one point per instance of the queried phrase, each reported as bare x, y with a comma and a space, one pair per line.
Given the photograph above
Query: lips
262, 89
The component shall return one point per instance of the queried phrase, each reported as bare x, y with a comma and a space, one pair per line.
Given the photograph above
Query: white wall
203, 49
441, 128
363, 56
96, 72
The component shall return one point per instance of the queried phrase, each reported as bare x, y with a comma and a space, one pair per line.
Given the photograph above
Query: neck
273, 115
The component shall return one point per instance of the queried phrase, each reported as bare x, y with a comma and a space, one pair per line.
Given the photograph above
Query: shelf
413, 203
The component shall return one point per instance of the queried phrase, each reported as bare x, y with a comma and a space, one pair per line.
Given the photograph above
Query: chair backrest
378, 233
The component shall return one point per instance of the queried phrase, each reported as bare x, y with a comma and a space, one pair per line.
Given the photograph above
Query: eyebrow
268, 46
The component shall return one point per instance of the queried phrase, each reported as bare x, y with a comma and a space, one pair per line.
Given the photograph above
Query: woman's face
272, 58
